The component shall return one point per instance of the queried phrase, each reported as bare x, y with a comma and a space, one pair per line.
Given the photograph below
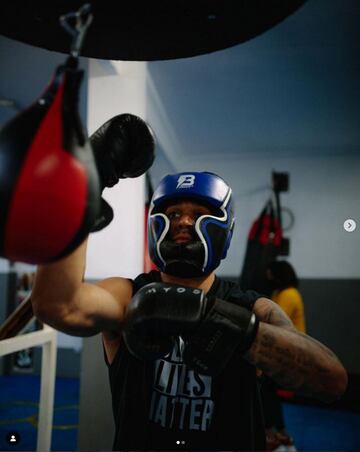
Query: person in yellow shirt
283, 284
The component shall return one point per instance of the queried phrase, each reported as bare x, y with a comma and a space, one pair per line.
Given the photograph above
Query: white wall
324, 192
117, 250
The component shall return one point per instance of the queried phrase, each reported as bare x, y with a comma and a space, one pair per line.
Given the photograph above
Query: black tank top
163, 405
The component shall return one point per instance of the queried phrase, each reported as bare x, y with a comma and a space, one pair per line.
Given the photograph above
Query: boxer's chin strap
183, 259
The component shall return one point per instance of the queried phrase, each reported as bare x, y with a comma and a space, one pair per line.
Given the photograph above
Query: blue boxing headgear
214, 231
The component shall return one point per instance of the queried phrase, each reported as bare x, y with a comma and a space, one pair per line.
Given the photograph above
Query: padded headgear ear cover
213, 232
49, 187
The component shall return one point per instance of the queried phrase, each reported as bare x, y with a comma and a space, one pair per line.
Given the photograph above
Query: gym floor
313, 428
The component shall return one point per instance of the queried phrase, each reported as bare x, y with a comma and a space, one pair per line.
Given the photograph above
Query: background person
283, 283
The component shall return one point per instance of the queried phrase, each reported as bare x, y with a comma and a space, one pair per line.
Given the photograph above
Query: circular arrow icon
349, 225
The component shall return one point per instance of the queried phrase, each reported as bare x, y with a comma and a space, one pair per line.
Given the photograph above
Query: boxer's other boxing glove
123, 147
226, 328
212, 328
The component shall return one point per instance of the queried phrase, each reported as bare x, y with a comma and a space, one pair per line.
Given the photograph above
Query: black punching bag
49, 187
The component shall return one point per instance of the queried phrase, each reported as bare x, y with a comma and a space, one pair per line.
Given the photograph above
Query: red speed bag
49, 187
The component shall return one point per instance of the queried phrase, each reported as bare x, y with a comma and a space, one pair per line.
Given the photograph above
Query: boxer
182, 345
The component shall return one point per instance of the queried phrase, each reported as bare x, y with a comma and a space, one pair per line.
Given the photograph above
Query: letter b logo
185, 181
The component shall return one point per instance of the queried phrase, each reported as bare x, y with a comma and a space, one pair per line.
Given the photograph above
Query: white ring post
47, 391
47, 338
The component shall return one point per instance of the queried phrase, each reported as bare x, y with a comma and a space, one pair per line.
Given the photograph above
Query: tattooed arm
293, 359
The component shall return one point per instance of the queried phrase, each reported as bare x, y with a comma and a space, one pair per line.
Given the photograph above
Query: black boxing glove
105, 216
226, 328
159, 312
212, 328
123, 147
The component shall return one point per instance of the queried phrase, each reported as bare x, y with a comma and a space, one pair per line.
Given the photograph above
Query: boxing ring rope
17, 320
47, 338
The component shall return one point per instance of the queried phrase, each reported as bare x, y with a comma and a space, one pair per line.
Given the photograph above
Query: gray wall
331, 310
26, 71
96, 424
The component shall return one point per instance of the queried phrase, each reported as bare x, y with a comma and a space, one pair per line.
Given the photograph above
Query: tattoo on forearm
294, 362
269, 312
275, 318
319, 344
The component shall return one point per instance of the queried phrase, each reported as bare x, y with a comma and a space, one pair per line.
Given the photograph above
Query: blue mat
313, 429
319, 429
19, 404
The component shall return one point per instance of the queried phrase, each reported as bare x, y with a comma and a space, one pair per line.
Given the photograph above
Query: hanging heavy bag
49, 186
262, 247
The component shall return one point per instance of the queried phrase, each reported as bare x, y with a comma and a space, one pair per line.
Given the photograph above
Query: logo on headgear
185, 181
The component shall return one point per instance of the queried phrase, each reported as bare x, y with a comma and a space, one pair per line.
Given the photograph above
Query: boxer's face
182, 216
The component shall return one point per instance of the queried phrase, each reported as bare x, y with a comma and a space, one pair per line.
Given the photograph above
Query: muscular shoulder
269, 312
120, 288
